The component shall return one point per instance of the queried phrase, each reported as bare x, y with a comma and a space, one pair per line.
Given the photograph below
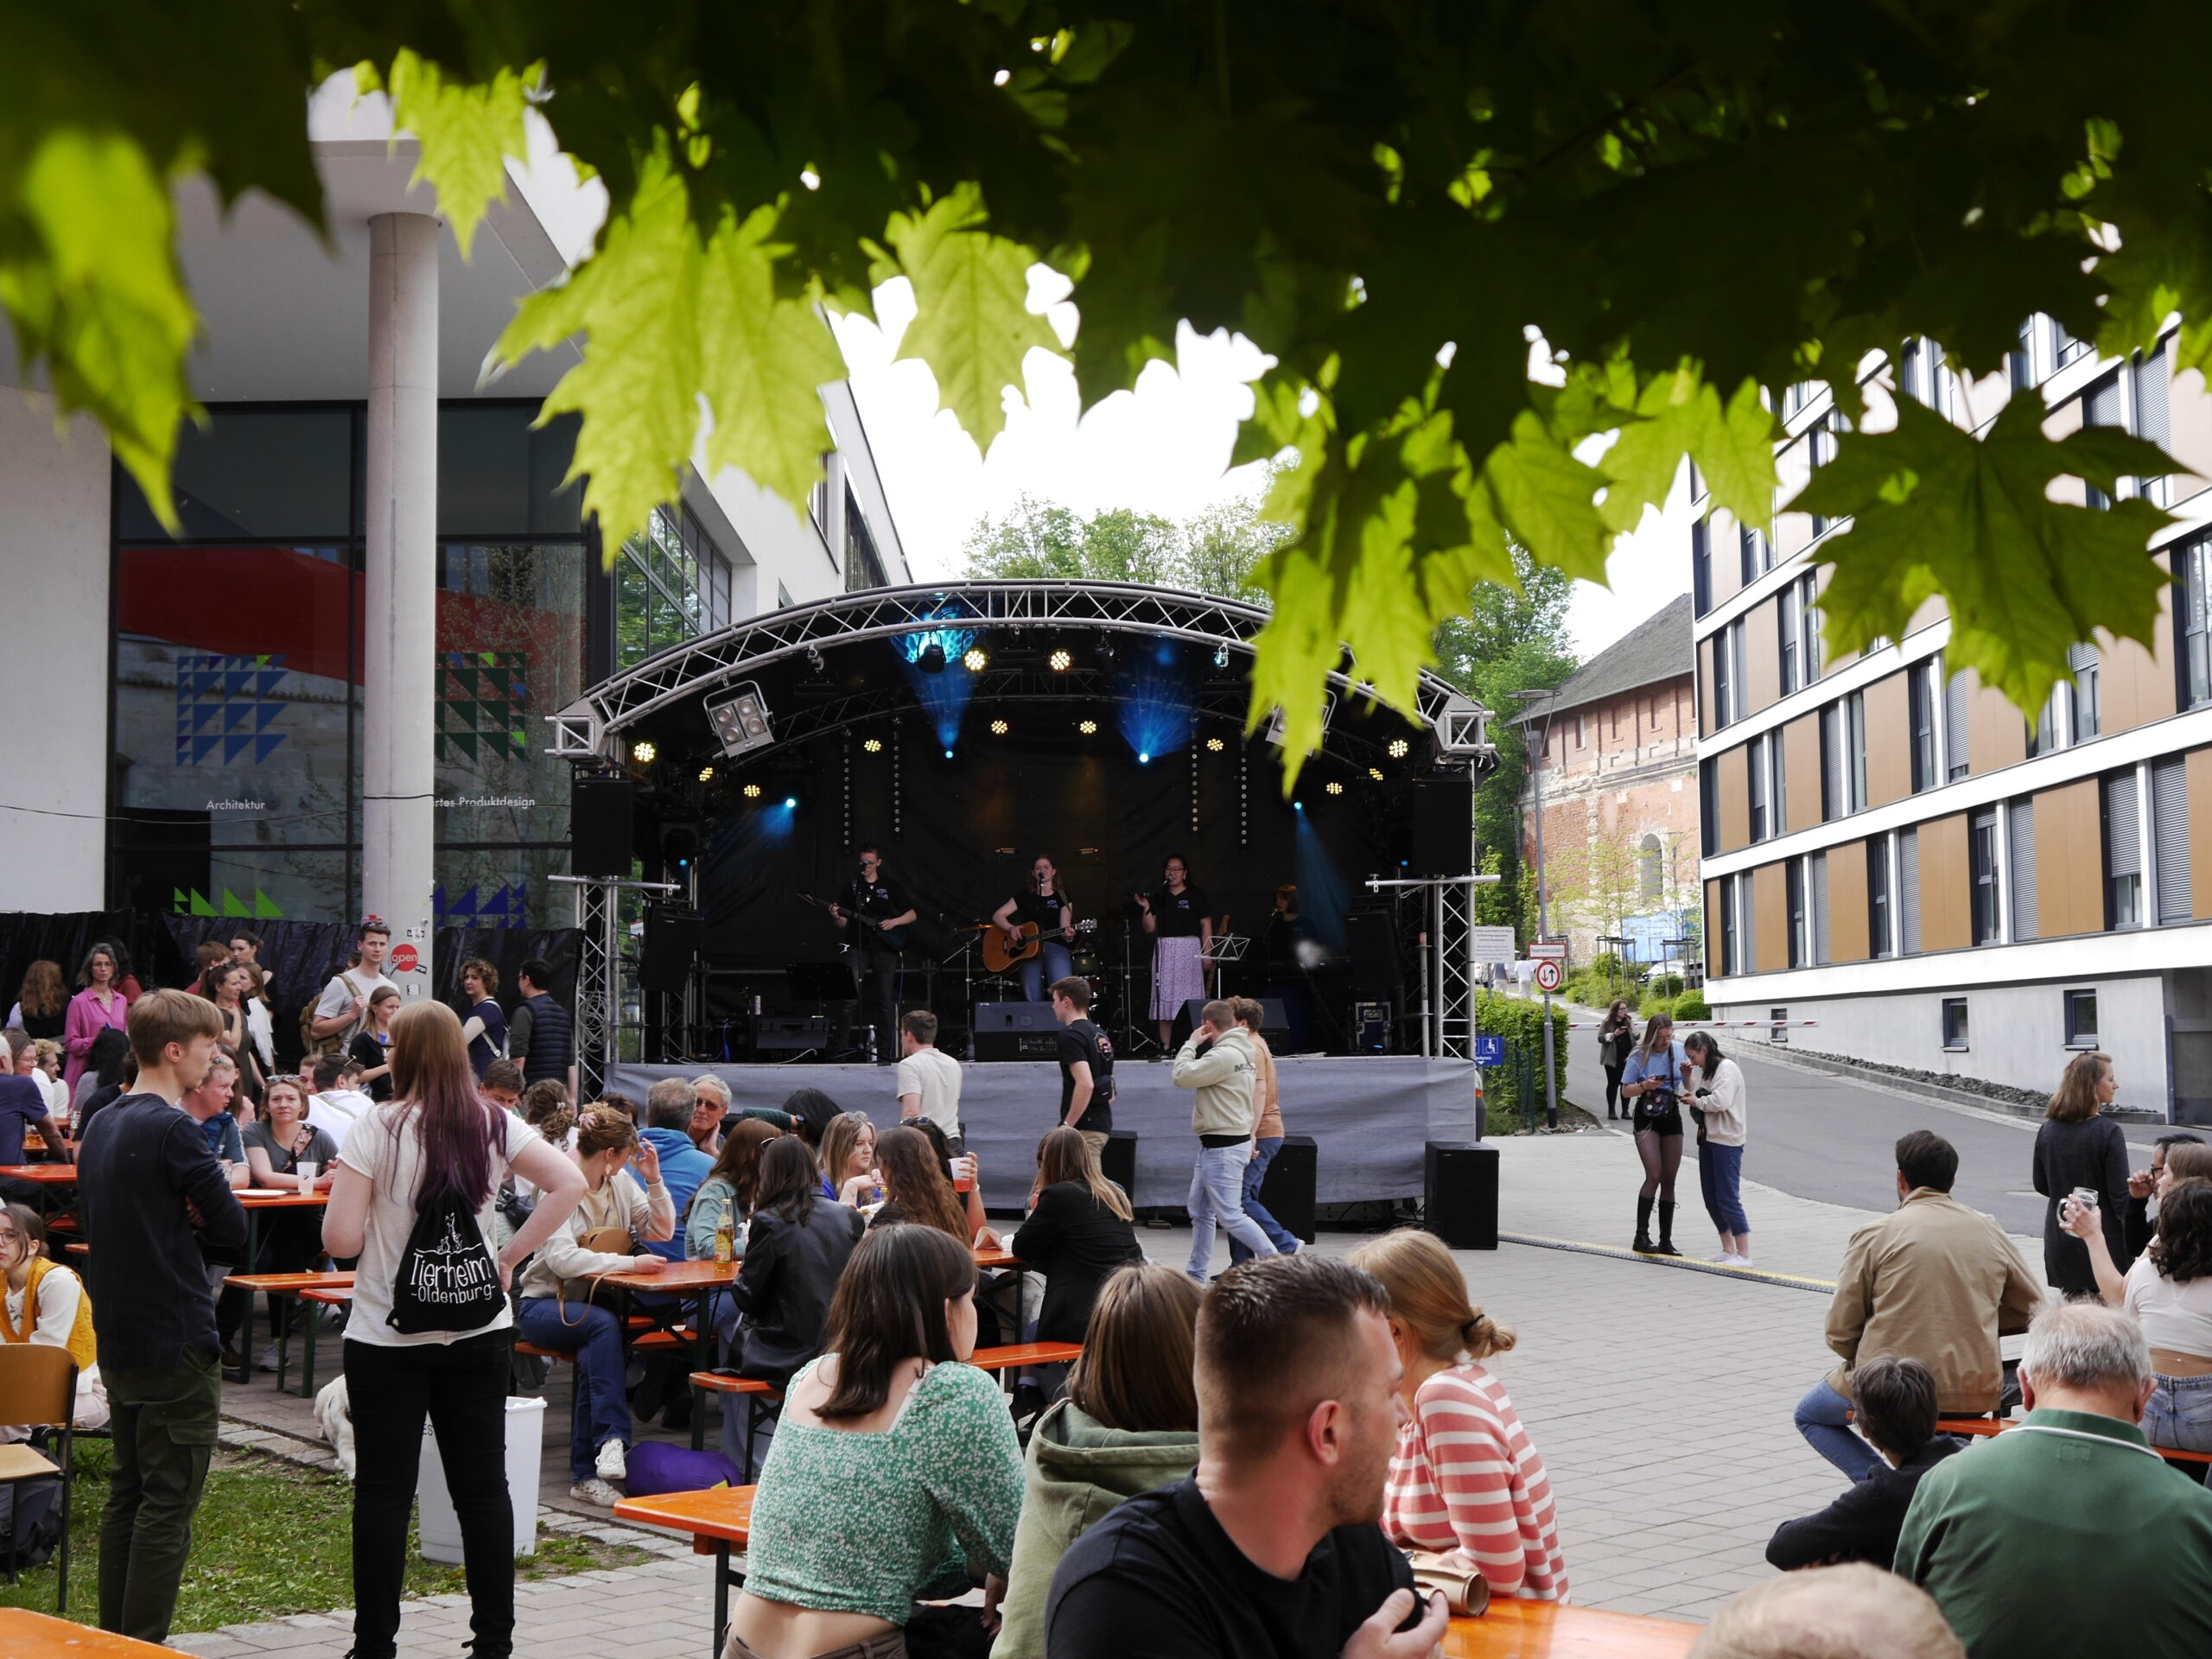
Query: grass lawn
269, 1539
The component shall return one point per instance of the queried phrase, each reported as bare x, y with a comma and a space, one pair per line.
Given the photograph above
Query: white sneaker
269, 1358
613, 1462
1726, 1259
1741, 1261
596, 1491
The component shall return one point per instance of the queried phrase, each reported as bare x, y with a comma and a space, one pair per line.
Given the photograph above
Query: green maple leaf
1682, 414
637, 302
1546, 497
762, 362
972, 322
1933, 511
98, 298
467, 132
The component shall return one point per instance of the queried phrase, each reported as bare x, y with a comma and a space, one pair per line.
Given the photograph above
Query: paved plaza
1660, 1396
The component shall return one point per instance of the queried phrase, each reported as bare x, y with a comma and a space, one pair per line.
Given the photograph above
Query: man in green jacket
1218, 1062
2068, 1535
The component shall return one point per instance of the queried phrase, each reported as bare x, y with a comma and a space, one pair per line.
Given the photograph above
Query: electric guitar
893, 937
999, 956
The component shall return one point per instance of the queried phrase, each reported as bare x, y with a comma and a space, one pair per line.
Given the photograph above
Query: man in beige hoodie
1218, 1062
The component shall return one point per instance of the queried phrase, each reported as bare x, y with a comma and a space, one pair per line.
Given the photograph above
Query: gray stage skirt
1369, 1114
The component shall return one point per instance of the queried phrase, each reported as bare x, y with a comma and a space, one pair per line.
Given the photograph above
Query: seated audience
110, 1070
1130, 1424
683, 1166
1833, 1612
596, 1238
848, 1159
1078, 1233
728, 1192
915, 1189
795, 1247
889, 1432
44, 1304
2068, 1535
1895, 1399
503, 1086
2169, 1290
1271, 1549
979, 1226
47, 1058
1936, 1281
335, 1105
811, 1112
1464, 1481
2145, 1187
711, 1101
23, 1107
275, 1146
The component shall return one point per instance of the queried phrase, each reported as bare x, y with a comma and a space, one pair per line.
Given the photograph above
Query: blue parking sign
1489, 1051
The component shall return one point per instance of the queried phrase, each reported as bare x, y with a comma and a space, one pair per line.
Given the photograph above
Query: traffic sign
1548, 976
1489, 1051
403, 958
1547, 950
1490, 944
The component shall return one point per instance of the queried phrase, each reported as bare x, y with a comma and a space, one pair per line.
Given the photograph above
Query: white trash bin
441, 1528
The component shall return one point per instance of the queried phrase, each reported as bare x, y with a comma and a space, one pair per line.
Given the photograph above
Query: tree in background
1511, 639
1211, 552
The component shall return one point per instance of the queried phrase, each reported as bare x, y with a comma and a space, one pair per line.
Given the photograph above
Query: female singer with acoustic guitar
1043, 914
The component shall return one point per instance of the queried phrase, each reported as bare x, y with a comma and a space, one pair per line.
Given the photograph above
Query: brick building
1620, 794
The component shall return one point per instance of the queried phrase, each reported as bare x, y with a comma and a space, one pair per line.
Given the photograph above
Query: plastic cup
305, 1169
964, 1173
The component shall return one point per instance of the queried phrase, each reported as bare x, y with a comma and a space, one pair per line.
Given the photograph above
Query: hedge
1521, 1024
1691, 1005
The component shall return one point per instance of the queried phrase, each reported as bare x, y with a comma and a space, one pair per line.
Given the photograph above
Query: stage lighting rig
1215, 745
752, 791
741, 722
1089, 727
706, 774
1333, 787
1273, 730
644, 753
932, 659
873, 746
1376, 773
975, 659
998, 728
1062, 660
1399, 748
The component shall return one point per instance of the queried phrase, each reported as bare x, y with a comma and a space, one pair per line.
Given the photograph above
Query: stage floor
1369, 1114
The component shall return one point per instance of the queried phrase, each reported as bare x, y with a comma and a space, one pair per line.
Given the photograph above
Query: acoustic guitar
999, 956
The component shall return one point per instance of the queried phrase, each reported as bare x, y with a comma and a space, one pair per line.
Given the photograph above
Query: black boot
1642, 1244
1666, 1230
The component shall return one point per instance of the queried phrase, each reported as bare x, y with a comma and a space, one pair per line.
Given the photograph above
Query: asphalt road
1817, 1136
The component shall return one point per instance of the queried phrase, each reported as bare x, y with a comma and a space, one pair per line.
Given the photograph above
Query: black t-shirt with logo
1177, 915
1082, 1041
879, 899
1042, 908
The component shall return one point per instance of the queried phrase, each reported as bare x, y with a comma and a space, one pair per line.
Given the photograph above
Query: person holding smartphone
1658, 1071
1719, 1097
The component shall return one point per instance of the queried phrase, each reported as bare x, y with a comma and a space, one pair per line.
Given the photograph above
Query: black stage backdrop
960, 834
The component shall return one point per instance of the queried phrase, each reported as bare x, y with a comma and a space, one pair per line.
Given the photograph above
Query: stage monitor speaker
789, 1033
1444, 827
1373, 930
1119, 1159
1371, 1028
1015, 1031
599, 827
1459, 1195
671, 948
1274, 1024
1287, 1192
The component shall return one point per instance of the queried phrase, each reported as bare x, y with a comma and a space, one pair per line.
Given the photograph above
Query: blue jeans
1217, 1196
1720, 1179
1255, 1172
2179, 1414
1051, 962
1824, 1419
602, 1408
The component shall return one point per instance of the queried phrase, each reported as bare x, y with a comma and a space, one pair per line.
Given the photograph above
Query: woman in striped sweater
1464, 1480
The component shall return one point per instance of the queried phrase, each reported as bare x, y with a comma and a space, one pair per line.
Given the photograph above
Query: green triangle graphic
200, 905
265, 908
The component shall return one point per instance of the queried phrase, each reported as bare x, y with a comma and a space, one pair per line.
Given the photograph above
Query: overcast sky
1162, 448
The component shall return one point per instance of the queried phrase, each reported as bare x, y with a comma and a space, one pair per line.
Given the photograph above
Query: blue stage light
1298, 806
791, 801
1144, 760
948, 754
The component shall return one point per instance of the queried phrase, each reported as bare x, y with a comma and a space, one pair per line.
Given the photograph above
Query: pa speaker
1373, 930
1444, 827
1287, 1192
598, 826
1274, 1024
1015, 1031
671, 948
1119, 1161
1459, 1195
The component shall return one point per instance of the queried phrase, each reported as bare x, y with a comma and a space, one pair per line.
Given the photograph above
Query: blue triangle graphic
265, 747
202, 747
265, 713
235, 747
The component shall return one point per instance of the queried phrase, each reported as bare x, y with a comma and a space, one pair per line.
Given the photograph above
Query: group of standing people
1658, 1079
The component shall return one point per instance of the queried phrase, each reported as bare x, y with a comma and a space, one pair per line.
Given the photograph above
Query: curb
1679, 1263
1834, 1066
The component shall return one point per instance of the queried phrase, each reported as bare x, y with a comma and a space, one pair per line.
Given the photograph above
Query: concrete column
400, 623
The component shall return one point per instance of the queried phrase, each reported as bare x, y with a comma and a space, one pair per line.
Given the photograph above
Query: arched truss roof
591, 728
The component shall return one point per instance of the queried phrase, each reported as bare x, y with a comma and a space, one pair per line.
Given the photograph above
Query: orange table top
678, 1276
723, 1514
1513, 1629
26, 1634
53, 1174
260, 1198
1026, 1353
998, 1258
284, 1283
328, 1295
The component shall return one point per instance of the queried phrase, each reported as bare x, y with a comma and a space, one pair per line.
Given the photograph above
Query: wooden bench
719, 1521
26, 1634
1985, 1426
277, 1285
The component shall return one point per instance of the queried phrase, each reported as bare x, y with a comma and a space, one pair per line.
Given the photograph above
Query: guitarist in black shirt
875, 912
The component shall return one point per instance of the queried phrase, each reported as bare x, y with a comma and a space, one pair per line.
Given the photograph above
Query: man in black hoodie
1894, 1399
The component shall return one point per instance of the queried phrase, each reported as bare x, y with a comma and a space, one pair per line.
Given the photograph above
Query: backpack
312, 1047
447, 1279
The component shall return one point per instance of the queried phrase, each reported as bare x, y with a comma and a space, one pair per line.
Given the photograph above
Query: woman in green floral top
894, 1470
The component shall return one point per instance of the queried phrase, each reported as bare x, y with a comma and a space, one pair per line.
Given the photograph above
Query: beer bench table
720, 1522
26, 1634
699, 1280
43, 1176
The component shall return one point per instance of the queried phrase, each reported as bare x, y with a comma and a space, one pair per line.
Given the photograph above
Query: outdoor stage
1369, 1115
